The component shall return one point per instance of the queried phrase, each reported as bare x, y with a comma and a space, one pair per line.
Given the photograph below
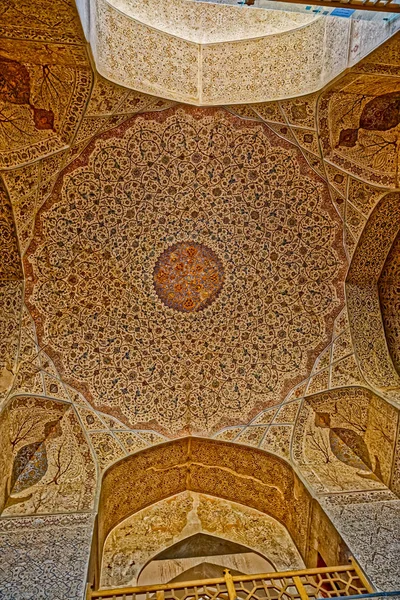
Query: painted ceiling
207, 54
169, 270
111, 318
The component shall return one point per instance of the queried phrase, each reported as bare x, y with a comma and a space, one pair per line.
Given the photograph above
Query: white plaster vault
209, 54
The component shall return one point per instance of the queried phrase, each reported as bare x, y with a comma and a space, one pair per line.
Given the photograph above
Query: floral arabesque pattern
358, 127
367, 328
163, 180
241, 474
344, 440
42, 100
139, 538
389, 296
45, 556
11, 293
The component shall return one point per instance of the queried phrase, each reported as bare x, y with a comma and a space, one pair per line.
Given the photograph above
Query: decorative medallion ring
188, 276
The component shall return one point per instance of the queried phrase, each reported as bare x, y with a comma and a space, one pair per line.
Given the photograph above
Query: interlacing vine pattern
214, 183
389, 296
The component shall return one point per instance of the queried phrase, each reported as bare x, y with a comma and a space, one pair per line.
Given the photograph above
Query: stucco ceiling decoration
212, 54
179, 177
389, 296
42, 97
90, 266
45, 461
11, 293
359, 127
188, 276
364, 303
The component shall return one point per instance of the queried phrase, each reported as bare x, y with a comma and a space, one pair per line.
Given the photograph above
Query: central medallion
188, 276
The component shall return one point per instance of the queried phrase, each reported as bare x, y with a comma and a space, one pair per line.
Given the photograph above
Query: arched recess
208, 562
11, 293
367, 327
187, 529
241, 474
389, 296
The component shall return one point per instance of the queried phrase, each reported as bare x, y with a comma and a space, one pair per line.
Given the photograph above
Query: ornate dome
256, 239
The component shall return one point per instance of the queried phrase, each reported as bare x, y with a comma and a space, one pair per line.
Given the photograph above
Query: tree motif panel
46, 464
344, 440
359, 127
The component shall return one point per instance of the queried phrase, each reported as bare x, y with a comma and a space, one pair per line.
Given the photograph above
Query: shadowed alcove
163, 478
203, 556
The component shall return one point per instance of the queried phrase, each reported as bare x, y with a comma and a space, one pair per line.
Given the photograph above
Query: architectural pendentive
210, 54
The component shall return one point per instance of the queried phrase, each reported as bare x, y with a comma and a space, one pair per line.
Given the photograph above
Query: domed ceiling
170, 270
186, 271
183, 269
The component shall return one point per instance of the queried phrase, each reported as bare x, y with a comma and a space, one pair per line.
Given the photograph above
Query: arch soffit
362, 292
241, 474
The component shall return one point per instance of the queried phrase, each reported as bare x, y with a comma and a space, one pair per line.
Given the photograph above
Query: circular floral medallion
188, 276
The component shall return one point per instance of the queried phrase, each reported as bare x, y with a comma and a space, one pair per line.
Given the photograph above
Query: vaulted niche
195, 506
372, 292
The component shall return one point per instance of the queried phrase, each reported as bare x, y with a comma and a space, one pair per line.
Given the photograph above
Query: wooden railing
326, 582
